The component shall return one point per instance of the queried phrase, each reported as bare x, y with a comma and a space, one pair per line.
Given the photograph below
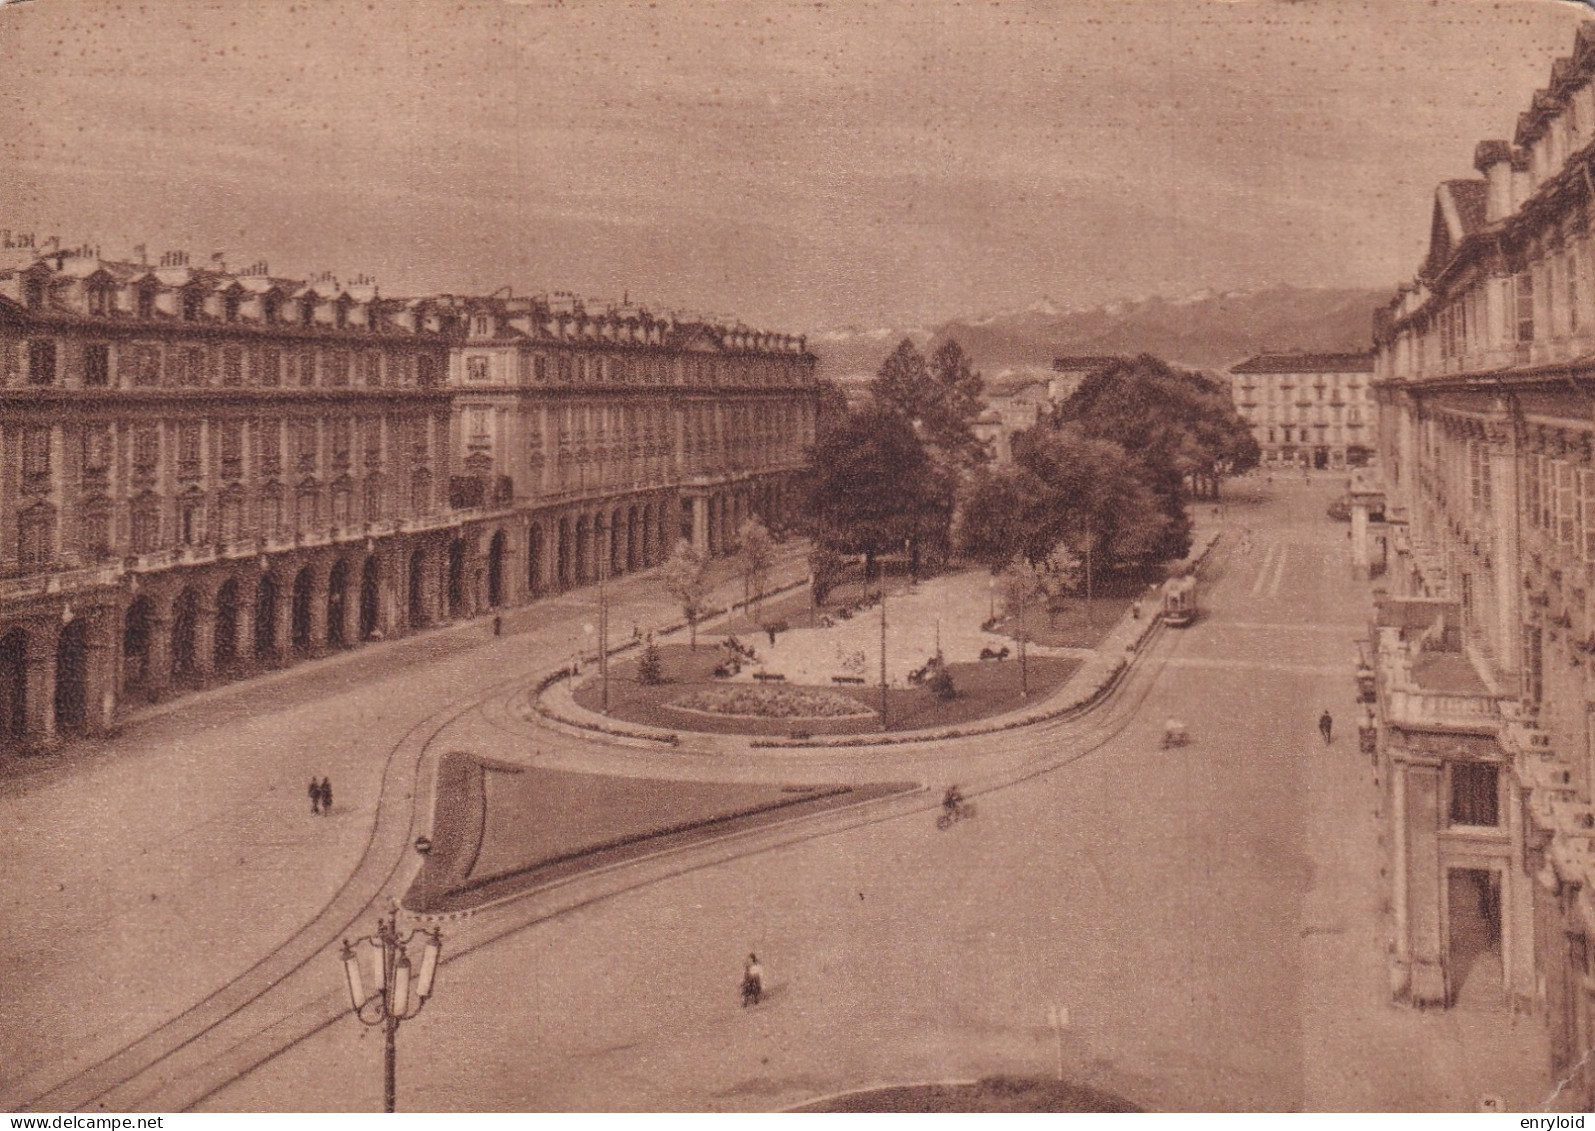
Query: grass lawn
501, 828
984, 689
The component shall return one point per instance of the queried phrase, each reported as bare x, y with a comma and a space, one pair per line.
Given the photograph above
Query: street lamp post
883, 657
604, 534
399, 992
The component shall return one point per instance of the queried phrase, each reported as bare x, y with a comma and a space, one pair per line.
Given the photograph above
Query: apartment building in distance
1308, 409
204, 473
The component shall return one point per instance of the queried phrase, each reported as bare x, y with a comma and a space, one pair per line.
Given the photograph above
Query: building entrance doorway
1320, 458
1474, 971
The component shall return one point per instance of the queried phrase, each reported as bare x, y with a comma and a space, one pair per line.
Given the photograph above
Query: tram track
508, 917
267, 1009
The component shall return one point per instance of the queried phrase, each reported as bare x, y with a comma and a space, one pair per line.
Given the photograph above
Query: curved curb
1117, 666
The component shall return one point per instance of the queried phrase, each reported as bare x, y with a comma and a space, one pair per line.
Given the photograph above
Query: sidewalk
143, 872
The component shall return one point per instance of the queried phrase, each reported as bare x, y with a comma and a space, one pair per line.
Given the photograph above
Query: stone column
700, 524
1359, 539
1504, 519
283, 622
244, 627
1421, 821
38, 722
99, 678
318, 613
353, 593
158, 669
205, 638
391, 567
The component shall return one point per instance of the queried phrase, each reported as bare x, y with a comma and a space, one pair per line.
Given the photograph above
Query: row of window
1303, 435
1559, 497
1332, 392
188, 365
193, 519
583, 368
298, 444
1353, 415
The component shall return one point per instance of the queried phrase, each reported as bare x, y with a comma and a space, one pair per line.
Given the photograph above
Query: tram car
1179, 601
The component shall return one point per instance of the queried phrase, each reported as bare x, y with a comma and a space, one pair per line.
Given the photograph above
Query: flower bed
771, 703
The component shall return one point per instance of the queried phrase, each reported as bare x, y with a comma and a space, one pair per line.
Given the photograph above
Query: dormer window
100, 300
33, 292
230, 302
481, 326
341, 315
307, 312
271, 308
193, 303
146, 302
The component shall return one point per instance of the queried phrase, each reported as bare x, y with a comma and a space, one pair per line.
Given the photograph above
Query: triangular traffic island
502, 829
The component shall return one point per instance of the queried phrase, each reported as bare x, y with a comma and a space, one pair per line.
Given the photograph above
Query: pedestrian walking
315, 797
752, 981
1326, 726
498, 625
326, 795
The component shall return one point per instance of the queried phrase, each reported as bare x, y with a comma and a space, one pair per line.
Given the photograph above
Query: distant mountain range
1206, 330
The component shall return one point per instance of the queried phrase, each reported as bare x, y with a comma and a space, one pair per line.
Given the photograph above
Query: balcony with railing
1426, 680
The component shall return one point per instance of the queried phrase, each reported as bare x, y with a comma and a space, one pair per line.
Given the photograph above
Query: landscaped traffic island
690, 697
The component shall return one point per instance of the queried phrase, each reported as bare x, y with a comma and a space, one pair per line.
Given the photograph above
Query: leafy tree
872, 488
1099, 501
756, 556
956, 403
1068, 504
650, 666
686, 575
1183, 425
902, 384
826, 568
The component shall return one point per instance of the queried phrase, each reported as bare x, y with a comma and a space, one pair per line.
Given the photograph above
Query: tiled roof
1306, 363
1469, 197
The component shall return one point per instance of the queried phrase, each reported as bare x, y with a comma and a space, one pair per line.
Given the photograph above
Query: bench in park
766, 677
858, 679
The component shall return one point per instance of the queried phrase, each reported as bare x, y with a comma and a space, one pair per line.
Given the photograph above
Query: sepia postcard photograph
898, 556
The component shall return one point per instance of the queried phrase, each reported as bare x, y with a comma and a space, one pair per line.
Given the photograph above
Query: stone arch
265, 642
225, 648
495, 570
633, 558
136, 632
337, 602
303, 594
535, 582
416, 603
612, 544
72, 677
370, 597
185, 631
563, 572
583, 551
456, 579
13, 686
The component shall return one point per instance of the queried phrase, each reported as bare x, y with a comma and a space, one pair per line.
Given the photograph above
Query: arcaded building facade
617, 433
204, 473
1308, 409
1485, 644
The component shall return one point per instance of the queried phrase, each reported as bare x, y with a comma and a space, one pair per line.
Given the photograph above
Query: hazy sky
799, 166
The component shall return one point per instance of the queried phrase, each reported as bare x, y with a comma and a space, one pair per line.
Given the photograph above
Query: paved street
1209, 916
